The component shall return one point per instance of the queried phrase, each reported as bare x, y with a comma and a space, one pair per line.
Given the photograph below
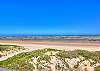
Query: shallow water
4, 69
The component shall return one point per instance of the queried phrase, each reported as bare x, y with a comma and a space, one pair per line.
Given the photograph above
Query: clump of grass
49, 49
22, 66
45, 58
9, 47
67, 54
97, 68
88, 55
95, 56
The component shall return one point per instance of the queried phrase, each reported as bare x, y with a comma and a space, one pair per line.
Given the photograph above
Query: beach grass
9, 47
21, 61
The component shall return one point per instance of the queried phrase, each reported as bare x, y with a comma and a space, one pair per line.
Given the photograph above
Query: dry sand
64, 45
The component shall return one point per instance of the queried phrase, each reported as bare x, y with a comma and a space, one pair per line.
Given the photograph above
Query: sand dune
61, 45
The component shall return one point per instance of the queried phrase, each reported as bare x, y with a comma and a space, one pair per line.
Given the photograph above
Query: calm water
4, 69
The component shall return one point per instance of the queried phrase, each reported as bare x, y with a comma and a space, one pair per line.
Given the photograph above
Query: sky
73, 17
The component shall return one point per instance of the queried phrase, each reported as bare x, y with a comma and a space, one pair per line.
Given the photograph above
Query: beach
62, 45
32, 45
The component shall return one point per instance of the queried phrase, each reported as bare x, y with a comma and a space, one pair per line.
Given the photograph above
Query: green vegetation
21, 61
9, 47
95, 56
17, 62
97, 68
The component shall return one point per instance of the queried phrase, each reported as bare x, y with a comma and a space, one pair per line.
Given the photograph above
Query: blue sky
49, 17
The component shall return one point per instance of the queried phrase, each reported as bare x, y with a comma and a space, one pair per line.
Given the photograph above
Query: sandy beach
63, 45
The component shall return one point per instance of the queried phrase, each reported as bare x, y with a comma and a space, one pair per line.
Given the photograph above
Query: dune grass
20, 62
95, 56
9, 47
